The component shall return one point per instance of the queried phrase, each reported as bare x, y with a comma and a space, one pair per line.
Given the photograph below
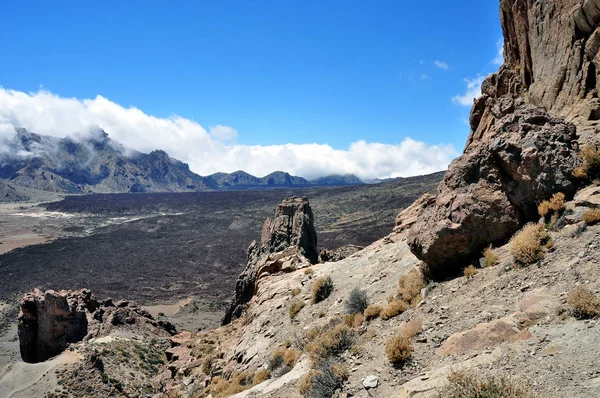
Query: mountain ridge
98, 164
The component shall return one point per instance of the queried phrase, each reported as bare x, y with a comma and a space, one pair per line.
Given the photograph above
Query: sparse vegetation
334, 341
411, 328
591, 216
283, 360
321, 289
468, 385
295, 308
295, 291
470, 271
526, 245
583, 304
553, 206
323, 381
372, 312
590, 167
309, 271
357, 301
321, 314
410, 285
393, 309
398, 349
489, 257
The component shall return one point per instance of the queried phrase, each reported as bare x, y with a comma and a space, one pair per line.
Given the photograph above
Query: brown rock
49, 321
286, 242
493, 188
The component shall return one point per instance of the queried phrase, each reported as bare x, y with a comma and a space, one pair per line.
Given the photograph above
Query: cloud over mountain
215, 149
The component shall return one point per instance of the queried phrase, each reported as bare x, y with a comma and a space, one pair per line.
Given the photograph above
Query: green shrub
357, 301
321, 289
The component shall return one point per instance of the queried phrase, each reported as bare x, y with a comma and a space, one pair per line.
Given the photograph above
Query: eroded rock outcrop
526, 128
50, 321
287, 242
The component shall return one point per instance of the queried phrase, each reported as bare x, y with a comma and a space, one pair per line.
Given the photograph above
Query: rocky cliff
526, 129
287, 241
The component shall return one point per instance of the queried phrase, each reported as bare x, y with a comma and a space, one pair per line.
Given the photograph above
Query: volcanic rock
287, 242
50, 321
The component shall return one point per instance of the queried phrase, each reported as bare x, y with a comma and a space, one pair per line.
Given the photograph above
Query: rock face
525, 132
287, 241
49, 321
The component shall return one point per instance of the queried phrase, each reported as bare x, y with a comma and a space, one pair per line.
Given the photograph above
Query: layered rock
525, 132
287, 242
50, 321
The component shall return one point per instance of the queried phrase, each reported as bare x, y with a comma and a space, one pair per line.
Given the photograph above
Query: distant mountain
93, 164
98, 164
337, 180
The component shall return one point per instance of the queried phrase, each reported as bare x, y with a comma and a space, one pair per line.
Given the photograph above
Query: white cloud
441, 65
499, 60
473, 91
425, 77
214, 150
224, 133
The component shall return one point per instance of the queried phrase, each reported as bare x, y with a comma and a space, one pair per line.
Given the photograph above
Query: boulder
50, 321
490, 191
288, 242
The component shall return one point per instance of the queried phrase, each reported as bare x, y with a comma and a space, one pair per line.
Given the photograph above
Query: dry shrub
398, 349
207, 365
321, 314
332, 342
554, 205
359, 319
308, 271
411, 328
591, 217
357, 301
470, 271
526, 245
393, 309
348, 320
283, 360
583, 304
260, 376
590, 168
323, 381
295, 291
239, 382
489, 257
295, 308
410, 285
468, 385
372, 312
321, 289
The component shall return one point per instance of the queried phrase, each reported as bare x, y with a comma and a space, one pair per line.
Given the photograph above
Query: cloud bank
473, 91
215, 149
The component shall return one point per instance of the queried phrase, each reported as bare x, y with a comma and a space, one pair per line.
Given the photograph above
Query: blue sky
278, 72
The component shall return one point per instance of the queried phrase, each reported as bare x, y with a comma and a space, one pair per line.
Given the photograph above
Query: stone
370, 381
49, 321
588, 197
288, 242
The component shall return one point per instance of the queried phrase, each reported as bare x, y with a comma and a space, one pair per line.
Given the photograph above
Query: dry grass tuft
411, 328
555, 205
323, 381
489, 257
359, 319
583, 304
372, 312
410, 285
470, 271
295, 291
398, 349
295, 308
526, 245
590, 168
393, 309
309, 271
321, 289
591, 217
332, 342
467, 385
260, 376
